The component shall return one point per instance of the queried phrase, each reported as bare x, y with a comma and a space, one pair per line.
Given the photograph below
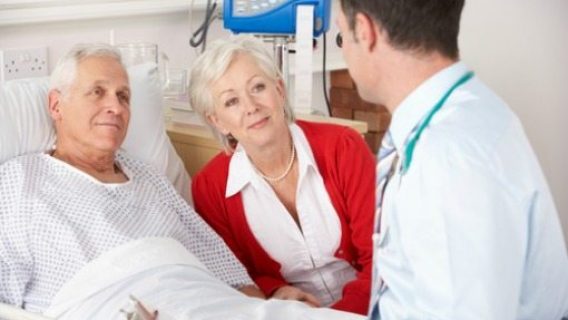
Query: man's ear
366, 31
54, 98
213, 120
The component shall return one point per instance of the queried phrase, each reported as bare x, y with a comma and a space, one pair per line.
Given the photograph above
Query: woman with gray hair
294, 200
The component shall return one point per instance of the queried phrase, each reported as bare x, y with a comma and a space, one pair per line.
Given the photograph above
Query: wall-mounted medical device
275, 17
283, 23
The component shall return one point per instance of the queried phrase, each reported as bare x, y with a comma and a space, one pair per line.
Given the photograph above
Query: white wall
518, 47
170, 31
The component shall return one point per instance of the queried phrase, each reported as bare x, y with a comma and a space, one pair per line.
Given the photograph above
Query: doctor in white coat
468, 228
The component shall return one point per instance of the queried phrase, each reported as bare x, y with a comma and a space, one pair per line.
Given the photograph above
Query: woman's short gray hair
213, 63
65, 71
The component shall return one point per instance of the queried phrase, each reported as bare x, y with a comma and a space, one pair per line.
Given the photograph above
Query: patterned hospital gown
54, 219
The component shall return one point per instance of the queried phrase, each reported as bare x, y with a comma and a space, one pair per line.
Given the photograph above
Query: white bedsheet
165, 276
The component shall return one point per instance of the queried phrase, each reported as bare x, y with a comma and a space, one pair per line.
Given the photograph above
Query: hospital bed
8, 312
25, 126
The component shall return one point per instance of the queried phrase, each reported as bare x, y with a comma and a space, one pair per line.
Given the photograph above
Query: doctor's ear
366, 31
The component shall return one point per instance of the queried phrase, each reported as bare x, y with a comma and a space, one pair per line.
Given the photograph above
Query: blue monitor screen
272, 16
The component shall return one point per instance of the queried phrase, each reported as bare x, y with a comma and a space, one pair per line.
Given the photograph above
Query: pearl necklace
284, 174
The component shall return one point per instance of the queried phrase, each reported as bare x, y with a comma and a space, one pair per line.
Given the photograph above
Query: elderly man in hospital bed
85, 226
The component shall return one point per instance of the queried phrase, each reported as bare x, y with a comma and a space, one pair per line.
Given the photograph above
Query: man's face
95, 110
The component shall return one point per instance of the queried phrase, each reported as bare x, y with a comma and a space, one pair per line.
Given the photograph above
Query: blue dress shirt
470, 231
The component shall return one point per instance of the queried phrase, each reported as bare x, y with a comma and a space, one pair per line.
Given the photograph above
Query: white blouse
307, 256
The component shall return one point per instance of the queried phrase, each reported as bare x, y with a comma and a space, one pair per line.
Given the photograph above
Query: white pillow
25, 124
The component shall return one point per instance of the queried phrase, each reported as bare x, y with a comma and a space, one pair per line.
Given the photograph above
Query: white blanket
165, 276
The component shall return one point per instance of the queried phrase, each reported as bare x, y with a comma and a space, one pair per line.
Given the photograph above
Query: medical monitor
274, 17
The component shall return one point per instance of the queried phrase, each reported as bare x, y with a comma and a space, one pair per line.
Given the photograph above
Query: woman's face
249, 105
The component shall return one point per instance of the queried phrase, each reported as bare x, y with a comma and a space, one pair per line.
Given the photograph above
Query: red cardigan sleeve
356, 166
208, 190
350, 172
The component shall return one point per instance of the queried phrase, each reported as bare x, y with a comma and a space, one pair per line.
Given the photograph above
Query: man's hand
140, 311
143, 312
293, 293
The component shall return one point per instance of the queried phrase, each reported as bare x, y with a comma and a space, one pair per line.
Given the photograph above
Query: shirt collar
242, 172
416, 105
304, 152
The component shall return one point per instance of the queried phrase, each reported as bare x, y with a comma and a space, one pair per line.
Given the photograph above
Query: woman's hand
252, 291
293, 293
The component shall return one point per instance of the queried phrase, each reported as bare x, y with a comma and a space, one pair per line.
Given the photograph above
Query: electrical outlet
23, 63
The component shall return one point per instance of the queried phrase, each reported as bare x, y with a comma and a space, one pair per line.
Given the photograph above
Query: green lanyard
411, 144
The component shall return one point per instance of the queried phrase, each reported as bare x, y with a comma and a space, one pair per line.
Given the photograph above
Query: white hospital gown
54, 219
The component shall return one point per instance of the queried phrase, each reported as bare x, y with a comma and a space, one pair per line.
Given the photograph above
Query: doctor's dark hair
65, 71
416, 25
212, 65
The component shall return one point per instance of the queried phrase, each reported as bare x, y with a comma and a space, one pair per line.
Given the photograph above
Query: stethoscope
415, 135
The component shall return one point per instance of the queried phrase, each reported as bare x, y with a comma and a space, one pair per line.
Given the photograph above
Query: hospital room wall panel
346, 103
344, 113
342, 79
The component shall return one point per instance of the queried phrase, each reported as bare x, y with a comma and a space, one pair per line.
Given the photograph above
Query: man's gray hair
213, 63
65, 71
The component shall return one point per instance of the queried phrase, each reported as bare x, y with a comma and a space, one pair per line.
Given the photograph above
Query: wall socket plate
22, 63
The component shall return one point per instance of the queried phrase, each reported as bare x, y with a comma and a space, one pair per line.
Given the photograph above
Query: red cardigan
348, 171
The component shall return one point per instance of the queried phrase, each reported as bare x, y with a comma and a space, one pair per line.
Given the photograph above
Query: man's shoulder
24, 162
474, 118
134, 164
478, 133
23, 174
